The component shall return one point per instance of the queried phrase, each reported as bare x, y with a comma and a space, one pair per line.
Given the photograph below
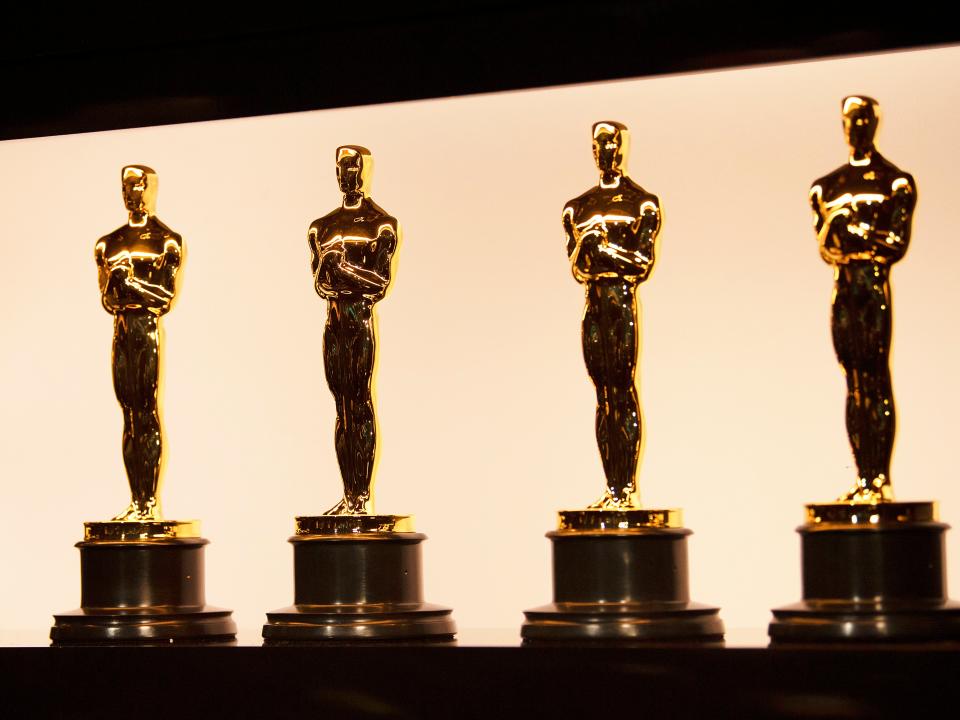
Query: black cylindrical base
871, 583
621, 586
358, 588
142, 592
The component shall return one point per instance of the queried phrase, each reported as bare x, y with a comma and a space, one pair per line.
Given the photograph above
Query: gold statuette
873, 569
619, 570
352, 251
611, 233
862, 213
141, 576
138, 264
357, 576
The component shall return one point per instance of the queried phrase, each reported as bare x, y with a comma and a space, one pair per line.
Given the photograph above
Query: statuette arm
389, 237
648, 228
903, 199
314, 254
336, 276
370, 280
821, 225
570, 234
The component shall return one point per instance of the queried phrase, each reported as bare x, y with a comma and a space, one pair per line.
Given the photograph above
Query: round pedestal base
648, 622
838, 622
621, 586
358, 588
205, 625
393, 622
870, 573
143, 593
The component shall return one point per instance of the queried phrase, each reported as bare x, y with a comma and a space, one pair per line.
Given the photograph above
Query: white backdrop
486, 411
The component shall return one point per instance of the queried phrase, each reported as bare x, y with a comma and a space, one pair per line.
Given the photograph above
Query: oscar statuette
619, 570
142, 577
357, 575
873, 568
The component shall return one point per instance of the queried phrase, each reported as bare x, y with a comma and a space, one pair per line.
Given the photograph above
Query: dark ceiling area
81, 72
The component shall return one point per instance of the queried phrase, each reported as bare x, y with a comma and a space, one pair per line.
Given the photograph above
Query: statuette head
610, 147
139, 189
354, 169
861, 116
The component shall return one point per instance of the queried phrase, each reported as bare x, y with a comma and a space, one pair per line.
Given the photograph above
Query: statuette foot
344, 507
137, 512
869, 492
611, 501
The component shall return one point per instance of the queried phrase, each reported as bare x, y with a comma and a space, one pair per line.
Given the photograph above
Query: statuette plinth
621, 576
355, 586
871, 573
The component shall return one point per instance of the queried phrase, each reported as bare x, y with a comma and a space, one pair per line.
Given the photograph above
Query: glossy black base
360, 588
871, 584
143, 593
826, 621
611, 586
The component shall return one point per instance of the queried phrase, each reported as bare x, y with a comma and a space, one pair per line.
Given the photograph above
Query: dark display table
478, 682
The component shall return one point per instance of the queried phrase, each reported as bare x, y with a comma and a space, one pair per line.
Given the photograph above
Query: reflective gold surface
121, 530
352, 524
138, 264
352, 250
862, 214
624, 520
611, 233
834, 516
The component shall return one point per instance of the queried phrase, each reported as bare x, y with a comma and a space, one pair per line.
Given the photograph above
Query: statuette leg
862, 330
136, 375
349, 347
610, 346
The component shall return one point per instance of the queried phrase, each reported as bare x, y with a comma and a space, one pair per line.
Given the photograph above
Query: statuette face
138, 264
862, 215
352, 250
611, 232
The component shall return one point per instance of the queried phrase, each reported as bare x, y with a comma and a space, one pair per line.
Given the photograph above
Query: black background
95, 69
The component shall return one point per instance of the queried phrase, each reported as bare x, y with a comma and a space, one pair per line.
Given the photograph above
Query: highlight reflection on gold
351, 525
862, 215
352, 251
622, 521
140, 530
138, 264
611, 233
844, 515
